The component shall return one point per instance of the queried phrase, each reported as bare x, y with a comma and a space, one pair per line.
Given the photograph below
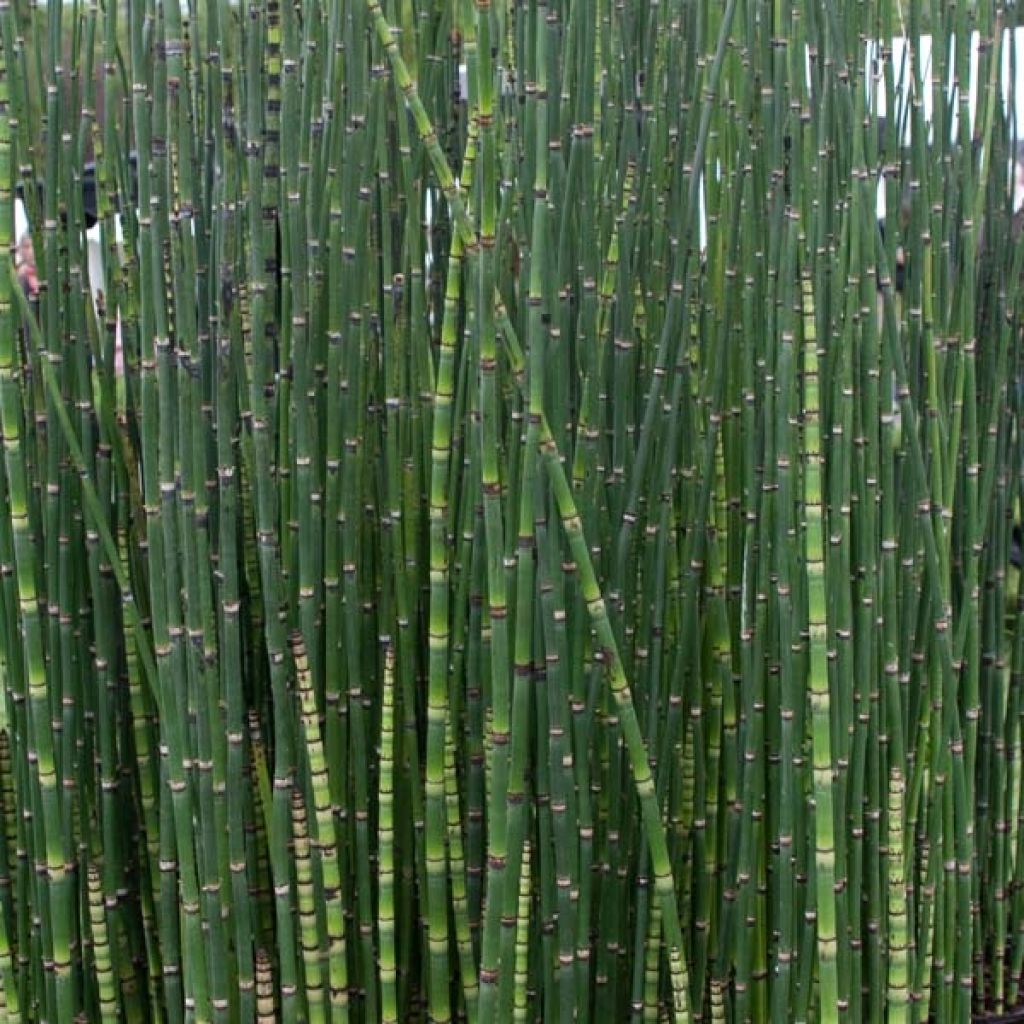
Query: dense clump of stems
494, 523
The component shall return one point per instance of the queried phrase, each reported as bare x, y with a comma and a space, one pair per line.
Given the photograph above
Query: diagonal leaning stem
640, 764
89, 495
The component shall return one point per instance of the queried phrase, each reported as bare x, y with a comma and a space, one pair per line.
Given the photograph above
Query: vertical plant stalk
322, 833
386, 832
438, 635
818, 684
494, 530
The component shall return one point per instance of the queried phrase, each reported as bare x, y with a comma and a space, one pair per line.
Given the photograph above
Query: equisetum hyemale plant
496, 526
